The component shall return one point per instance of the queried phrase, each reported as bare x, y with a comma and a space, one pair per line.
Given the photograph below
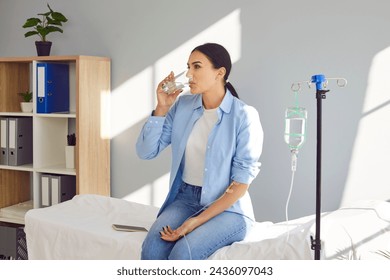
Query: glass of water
174, 85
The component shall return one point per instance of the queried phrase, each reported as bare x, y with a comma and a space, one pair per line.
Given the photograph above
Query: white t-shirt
196, 148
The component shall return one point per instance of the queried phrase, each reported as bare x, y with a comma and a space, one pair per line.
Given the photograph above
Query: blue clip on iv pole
320, 82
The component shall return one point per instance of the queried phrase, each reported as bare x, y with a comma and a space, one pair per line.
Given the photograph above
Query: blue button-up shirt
233, 149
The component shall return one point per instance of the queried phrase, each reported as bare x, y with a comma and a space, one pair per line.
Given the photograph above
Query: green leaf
42, 31
45, 14
54, 22
31, 22
27, 95
58, 16
54, 29
30, 33
48, 29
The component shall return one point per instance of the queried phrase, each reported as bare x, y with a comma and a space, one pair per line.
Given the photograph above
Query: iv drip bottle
295, 127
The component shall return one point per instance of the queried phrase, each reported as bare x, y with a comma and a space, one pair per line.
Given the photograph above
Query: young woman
216, 142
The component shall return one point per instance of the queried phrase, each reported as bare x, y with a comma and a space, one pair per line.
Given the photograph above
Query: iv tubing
293, 169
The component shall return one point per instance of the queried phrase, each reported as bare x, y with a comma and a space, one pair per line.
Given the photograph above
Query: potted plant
50, 22
26, 105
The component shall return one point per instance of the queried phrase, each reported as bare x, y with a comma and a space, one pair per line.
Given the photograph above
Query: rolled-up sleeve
246, 165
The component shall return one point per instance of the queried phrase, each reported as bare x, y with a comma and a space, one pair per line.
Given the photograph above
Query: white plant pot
27, 107
70, 157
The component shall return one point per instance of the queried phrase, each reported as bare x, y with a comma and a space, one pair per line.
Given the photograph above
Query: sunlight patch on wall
142, 195
369, 176
127, 104
151, 194
105, 112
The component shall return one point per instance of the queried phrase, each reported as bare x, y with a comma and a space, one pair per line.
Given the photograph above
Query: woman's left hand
169, 234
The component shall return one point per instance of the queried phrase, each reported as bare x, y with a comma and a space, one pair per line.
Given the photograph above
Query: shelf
58, 115
57, 169
26, 167
51, 115
16, 114
15, 213
63, 58
11, 220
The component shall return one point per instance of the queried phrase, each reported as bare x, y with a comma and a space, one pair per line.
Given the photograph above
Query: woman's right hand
169, 234
165, 100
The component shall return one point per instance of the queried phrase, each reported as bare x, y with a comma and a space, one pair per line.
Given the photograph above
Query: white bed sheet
81, 229
359, 231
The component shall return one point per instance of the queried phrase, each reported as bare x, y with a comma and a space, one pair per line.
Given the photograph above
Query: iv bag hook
320, 81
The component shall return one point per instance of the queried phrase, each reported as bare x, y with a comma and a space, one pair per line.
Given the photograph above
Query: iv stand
320, 94
320, 82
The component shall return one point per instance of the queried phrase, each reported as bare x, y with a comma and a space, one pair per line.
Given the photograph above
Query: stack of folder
16, 141
57, 188
52, 87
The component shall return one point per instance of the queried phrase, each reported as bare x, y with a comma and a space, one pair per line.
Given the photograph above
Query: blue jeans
220, 231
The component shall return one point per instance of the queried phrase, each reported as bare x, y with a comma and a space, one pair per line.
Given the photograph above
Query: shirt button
205, 169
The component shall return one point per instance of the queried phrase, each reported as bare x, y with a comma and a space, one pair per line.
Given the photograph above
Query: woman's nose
189, 75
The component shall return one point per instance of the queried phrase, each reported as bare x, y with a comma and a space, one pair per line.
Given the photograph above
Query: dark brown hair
219, 57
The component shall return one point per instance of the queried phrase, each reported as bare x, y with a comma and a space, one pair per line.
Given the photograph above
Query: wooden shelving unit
89, 82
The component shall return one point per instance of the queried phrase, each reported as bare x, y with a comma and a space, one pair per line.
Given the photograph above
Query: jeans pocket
182, 188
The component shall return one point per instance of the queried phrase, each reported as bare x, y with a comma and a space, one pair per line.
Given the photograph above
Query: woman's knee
154, 249
181, 251
147, 254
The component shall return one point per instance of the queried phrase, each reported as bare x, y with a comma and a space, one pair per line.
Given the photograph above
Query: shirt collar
226, 103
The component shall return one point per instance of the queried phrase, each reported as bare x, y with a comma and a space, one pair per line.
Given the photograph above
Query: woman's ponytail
230, 87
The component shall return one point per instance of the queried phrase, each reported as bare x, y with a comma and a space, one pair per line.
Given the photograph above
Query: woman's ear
221, 72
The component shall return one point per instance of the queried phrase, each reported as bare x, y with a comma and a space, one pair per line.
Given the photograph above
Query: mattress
81, 228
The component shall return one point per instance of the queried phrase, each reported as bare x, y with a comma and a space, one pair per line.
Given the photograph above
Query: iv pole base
316, 247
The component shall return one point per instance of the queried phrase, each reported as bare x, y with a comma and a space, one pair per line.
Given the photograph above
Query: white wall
273, 43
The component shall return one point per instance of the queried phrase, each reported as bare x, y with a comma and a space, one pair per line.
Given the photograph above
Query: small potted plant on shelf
26, 105
50, 22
